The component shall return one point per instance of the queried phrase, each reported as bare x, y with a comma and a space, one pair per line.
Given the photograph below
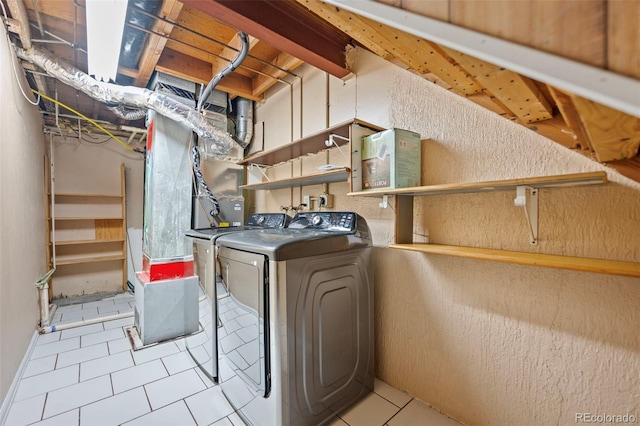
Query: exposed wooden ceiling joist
279, 23
155, 44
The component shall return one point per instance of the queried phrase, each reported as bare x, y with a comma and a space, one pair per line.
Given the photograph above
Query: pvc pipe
54, 328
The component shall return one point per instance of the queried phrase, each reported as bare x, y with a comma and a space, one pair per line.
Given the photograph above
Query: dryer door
245, 345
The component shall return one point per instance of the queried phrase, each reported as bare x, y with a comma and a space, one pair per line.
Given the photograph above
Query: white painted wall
22, 217
486, 342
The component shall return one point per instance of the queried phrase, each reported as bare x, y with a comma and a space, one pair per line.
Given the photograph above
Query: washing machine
203, 346
296, 339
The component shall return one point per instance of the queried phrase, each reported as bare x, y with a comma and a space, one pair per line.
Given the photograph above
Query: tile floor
90, 375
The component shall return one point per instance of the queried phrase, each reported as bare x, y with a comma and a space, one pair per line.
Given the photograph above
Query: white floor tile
171, 415
119, 345
209, 406
116, 409
416, 413
77, 356
26, 411
338, 422
178, 362
391, 394
372, 410
103, 336
223, 422
65, 419
82, 330
154, 352
139, 375
69, 308
122, 322
236, 420
56, 347
105, 365
173, 388
40, 365
113, 308
206, 379
79, 315
46, 382
97, 304
48, 338
77, 395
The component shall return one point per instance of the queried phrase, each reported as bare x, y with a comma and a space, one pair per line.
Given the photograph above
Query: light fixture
105, 25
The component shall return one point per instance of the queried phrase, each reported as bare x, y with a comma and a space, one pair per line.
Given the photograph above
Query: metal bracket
385, 202
530, 205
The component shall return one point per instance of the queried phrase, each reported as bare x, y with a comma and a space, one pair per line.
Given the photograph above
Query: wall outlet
306, 200
325, 200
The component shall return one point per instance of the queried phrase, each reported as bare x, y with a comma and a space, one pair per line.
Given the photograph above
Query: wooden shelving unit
87, 228
404, 223
350, 134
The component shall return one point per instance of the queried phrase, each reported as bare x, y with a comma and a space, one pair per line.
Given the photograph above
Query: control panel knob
316, 220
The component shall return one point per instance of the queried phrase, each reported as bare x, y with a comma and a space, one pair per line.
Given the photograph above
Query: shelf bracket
527, 198
385, 202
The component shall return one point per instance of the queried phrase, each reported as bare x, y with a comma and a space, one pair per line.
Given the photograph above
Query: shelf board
577, 179
307, 145
88, 218
338, 175
81, 242
93, 259
602, 266
78, 195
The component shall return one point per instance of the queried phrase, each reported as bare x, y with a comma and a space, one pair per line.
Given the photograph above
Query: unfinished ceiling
195, 39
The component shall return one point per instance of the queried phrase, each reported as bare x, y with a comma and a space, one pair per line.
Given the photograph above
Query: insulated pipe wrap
133, 97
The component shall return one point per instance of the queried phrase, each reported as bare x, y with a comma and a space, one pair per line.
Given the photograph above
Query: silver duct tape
136, 97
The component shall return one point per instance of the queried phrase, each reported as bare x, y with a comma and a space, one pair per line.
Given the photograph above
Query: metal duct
244, 121
133, 39
128, 113
133, 97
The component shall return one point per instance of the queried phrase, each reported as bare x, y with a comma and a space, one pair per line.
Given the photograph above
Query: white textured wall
22, 217
487, 342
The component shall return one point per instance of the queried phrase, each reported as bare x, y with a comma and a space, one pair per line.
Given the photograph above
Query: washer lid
284, 244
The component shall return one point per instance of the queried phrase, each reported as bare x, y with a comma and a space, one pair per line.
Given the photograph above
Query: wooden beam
571, 118
282, 24
347, 22
284, 61
614, 135
416, 53
155, 44
19, 14
230, 52
518, 93
192, 69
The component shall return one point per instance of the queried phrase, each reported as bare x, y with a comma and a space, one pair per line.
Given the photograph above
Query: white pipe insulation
54, 328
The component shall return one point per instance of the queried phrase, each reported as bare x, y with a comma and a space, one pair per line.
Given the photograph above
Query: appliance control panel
326, 221
267, 220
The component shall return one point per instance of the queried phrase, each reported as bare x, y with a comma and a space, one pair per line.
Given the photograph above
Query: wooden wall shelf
339, 175
576, 179
404, 224
350, 134
307, 145
602, 266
